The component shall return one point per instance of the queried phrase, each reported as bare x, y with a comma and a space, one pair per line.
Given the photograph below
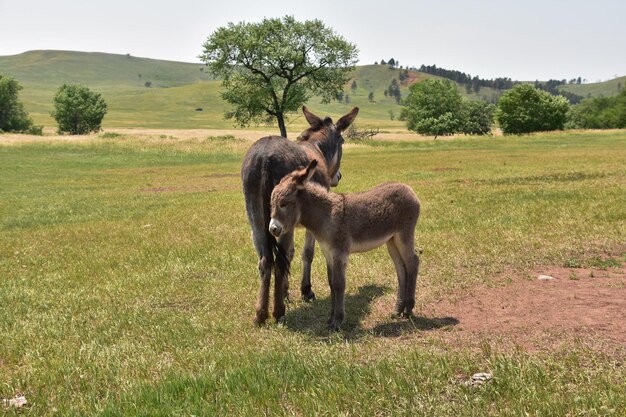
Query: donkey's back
373, 216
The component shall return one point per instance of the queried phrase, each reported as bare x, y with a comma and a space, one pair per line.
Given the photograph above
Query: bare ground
580, 304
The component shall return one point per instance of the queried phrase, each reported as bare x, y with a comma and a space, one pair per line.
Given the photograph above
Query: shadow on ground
310, 318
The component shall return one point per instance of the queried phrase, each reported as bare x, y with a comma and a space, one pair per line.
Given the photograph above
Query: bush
13, 117
599, 113
477, 117
525, 109
78, 110
433, 107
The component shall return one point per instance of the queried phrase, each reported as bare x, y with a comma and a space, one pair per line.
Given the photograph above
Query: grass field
128, 280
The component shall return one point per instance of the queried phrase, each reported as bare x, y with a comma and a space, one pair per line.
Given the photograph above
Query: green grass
128, 280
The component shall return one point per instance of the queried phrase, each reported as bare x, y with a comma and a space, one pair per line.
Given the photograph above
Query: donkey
348, 223
267, 161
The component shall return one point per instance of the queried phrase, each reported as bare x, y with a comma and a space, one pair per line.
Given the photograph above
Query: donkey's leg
329, 274
307, 259
402, 276
264, 251
406, 246
338, 288
281, 273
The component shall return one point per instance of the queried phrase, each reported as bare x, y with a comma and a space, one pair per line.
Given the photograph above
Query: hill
178, 90
606, 88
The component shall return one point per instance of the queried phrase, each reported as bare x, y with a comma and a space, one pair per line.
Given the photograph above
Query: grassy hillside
177, 90
98, 69
606, 88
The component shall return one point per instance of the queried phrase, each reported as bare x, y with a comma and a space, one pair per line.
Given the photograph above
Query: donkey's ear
305, 175
345, 121
310, 117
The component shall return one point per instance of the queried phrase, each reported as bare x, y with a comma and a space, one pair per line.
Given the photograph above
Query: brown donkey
348, 223
267, 161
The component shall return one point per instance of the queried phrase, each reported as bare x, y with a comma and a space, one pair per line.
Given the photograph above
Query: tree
371, 96
353, 86
476, 117
433, 108
525, 109
78, 110
271, 68
599, 113
394, 90
13, 117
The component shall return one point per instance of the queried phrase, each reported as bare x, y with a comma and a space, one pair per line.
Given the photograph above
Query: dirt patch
585, 304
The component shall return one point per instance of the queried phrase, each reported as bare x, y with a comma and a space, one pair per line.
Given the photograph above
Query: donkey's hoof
279, 313
334, 327
308, 297
260, 319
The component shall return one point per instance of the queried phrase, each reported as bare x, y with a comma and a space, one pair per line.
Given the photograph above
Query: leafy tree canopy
433, 107
78, 110
525, 109
599, 113
273, 67
13, 117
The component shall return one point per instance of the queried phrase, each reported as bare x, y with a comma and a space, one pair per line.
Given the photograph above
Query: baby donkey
348, 223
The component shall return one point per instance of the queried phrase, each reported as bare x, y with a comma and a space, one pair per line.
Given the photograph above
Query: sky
524, 40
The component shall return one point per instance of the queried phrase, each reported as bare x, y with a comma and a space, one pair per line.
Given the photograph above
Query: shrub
599, 113
13, 117
476, 117
525, 109
433, 107
78, 110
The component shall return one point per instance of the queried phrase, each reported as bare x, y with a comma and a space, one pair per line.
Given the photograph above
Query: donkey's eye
283, 204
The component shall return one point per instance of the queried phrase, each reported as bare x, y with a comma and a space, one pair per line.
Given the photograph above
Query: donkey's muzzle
334, 181
275, 228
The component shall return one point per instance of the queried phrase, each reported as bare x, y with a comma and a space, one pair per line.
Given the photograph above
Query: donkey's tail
278, 252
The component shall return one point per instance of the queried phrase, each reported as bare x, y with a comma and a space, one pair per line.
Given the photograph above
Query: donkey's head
284, 204
327, 136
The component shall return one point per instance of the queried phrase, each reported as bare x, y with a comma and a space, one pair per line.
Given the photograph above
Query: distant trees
525, 109
353, 86
13, 117
271, 68
370, 96
394, 91
599, 113
78, 110
463, 78
552, 87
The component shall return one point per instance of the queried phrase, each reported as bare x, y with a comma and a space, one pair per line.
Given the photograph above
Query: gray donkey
267, 161
348, 223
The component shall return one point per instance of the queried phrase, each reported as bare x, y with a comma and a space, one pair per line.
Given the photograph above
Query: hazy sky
525, 40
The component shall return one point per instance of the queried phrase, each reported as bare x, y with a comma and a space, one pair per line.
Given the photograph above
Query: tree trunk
281, 125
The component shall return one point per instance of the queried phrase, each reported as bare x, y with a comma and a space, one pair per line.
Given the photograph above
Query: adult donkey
267, 161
